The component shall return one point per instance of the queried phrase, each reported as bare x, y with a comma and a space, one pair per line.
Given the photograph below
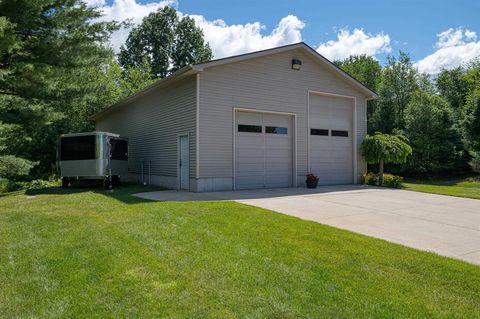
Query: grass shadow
121, 193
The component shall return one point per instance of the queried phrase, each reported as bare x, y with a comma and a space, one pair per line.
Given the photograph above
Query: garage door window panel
340, 133
249, 128
276, 130
318, 132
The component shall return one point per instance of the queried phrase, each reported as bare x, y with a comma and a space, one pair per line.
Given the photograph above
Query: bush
12, 167
389, 180
7, 186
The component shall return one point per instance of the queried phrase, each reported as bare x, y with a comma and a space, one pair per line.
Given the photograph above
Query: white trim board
187, 134
197, 130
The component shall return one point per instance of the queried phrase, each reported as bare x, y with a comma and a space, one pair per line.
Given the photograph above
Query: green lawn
462, 187
83, 254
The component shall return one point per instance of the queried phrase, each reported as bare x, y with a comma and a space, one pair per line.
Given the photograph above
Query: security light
296, 64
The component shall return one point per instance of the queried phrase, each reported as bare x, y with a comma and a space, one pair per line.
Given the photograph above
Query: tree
455, 86
166, 42
189, 47
364, 68
470, 121
428, 126
399, 81
45, 41
368, 71
469, 115
135, 79
49, 51
452, 86
383, 148
472, 75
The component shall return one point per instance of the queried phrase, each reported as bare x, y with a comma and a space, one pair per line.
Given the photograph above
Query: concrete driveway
449, 226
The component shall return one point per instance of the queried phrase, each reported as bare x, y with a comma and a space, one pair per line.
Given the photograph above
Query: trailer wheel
65, 182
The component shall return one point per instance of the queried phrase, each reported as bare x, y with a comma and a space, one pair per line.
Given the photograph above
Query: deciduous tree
470, 121
368, 71
452, 86
428, 126
384, 148
166, 42
399, 81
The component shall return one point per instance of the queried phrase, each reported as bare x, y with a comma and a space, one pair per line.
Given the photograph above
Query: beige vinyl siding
264, 83
152, 124
361, 132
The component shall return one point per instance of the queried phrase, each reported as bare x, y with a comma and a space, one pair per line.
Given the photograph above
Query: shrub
12, 167
41, 183
7, 186
389, 180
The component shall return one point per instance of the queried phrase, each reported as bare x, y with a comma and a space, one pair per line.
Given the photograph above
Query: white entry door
263, 150
184, 161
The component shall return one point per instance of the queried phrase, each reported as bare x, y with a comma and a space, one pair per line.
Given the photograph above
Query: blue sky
413, 22
436, 34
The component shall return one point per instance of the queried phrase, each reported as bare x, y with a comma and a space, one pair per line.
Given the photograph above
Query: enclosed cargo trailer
93, 156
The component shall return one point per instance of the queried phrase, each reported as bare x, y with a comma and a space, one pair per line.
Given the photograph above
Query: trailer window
119, 149
75, 148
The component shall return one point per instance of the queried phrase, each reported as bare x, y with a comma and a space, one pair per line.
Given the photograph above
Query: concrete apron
446, 225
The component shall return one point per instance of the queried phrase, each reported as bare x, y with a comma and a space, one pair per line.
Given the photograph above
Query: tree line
440, 116
57, 69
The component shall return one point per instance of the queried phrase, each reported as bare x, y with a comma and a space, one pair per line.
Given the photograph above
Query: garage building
258, 120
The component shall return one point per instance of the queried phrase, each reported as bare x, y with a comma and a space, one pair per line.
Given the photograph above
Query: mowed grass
91, 254
461, 187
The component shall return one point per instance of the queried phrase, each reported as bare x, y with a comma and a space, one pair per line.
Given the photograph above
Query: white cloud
226, 40
121, 10
454, 37
231, 39
470, 35
355, 43
454, 48
95, 3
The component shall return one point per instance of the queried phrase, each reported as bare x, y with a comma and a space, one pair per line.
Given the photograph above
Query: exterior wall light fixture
296, 64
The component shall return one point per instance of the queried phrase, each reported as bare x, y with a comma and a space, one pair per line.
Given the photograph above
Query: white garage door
331, 143
263, 150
